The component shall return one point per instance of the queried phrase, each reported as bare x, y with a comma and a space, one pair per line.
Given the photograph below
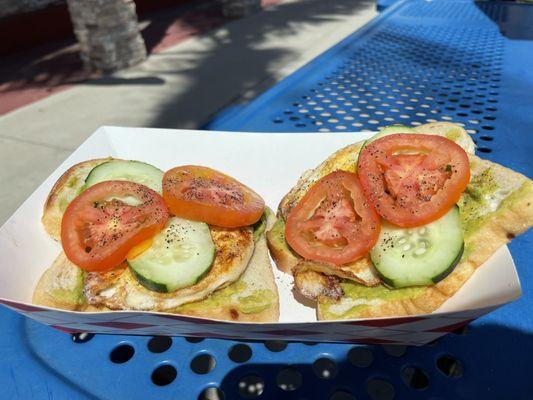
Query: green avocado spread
251, 303
277, 237
72, 182
357, 291
453, 134
256, 302
260, 226
278, 233
75, 186
365, 296
71, 294
473, 203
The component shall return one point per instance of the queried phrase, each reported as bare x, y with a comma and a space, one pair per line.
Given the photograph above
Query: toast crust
361, 271
64, 190
513, 217
313, 280
284, 258
234, 249
258, 277
54, 279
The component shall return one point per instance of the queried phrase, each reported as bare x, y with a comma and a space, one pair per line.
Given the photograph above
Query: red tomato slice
98, 228
204, 194
413, 179
333, 223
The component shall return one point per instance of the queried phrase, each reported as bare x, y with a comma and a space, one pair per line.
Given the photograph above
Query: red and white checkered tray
270, 164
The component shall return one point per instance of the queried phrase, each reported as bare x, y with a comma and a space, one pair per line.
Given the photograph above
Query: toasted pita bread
253, 297
241, 267
513, 216
122, 291
345, 159
63, 192
490, 221
61, 286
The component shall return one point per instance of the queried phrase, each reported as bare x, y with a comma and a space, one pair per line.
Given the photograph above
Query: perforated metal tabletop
419, 61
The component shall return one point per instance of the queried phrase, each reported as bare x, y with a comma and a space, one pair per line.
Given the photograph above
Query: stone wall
11, 7
108, 33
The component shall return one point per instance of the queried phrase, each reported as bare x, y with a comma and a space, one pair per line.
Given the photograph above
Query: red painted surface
453, 327
387, 321
33, 75
64, 329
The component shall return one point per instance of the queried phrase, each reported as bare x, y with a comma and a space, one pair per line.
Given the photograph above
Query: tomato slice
413, 179
204, 194
104, 222
333, 223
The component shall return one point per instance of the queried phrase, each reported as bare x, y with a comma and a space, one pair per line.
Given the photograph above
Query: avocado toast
188, 267
495, 206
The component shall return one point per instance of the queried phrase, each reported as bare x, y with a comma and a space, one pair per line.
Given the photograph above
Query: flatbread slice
241, 273
490, 217
68, 186
234, 248
61, 286
253, 297
496, 207
345, 159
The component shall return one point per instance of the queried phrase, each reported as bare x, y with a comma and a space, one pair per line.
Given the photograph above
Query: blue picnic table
419, 61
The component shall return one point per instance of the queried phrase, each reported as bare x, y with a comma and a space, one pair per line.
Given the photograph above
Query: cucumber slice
386, 131
419, 256
392, 129
180, 255
389, 130
123, 170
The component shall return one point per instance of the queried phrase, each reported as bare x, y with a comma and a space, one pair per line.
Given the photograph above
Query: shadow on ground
192, 17
490, 362
241, 57
115, 80
237, 60
58, 63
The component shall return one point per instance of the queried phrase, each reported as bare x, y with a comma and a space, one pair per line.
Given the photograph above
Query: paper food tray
270, 164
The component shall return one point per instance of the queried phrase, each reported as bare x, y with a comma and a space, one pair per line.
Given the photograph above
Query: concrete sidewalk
182, 87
